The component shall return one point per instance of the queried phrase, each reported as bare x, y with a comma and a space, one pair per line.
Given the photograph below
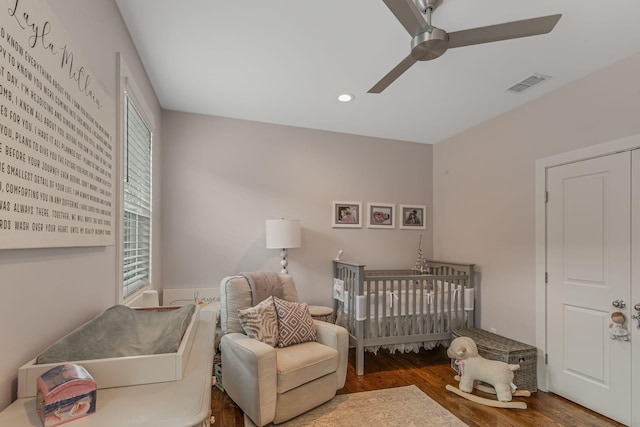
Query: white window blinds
137, 200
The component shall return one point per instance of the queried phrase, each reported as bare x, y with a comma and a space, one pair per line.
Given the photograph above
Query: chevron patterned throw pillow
295, 324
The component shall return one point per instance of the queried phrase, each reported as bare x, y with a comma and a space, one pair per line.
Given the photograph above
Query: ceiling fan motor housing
430, 44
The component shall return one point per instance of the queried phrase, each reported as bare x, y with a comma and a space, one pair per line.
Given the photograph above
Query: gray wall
223, 177
48, 292
484, 185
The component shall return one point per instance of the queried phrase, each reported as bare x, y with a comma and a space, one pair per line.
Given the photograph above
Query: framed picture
413, 217
347, 214
380, 215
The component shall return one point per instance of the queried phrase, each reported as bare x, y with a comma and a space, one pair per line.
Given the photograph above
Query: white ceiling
285, 62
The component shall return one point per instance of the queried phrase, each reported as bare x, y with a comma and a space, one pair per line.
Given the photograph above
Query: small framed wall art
347, 214
413, 217
380, 215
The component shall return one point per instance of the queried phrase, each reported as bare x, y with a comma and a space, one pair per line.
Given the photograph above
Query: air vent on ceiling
527, 83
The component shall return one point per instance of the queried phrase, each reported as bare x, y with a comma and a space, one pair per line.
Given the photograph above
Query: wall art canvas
347, 214
413, 217
380, 215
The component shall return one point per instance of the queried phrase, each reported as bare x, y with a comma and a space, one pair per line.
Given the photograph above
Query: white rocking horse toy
474, 368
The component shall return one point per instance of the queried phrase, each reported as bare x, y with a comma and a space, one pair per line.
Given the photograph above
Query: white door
634, 324
589, 268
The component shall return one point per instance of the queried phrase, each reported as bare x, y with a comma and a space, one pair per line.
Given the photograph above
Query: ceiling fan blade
409, 16
508, 30
393, 75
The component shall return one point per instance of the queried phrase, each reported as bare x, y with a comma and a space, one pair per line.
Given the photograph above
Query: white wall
47, 292
484, 185
223, 177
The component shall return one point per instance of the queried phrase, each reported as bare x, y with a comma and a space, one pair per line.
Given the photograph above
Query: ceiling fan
429, 42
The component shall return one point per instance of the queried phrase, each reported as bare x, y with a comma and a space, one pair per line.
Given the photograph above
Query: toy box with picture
65, 393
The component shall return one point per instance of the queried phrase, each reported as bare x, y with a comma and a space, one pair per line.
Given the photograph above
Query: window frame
128, 89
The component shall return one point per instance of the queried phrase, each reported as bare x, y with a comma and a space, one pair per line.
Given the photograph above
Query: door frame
542, 165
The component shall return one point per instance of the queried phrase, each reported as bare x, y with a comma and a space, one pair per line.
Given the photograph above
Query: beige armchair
273, 384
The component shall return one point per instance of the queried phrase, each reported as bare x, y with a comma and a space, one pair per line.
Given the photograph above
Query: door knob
619, 303
637, 316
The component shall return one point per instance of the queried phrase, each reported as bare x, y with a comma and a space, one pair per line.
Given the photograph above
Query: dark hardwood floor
431, 371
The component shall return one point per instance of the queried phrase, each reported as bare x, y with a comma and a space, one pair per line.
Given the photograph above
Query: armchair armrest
249, 376
336, 337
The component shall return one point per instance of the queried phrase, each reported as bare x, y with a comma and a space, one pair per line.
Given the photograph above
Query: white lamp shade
283, 233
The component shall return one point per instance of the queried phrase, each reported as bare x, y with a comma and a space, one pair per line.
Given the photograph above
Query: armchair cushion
235, 294
295, 324
261, 322
301, 363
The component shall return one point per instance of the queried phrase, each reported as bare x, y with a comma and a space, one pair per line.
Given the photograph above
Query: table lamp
283, 234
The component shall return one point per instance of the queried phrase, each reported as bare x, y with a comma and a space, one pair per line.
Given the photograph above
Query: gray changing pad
122, 331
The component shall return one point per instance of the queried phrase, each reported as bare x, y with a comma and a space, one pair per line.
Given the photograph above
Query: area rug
402, 406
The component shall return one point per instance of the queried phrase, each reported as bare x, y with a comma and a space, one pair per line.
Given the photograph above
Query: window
137, 200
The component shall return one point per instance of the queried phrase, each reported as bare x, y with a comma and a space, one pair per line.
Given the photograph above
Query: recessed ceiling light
346, 97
